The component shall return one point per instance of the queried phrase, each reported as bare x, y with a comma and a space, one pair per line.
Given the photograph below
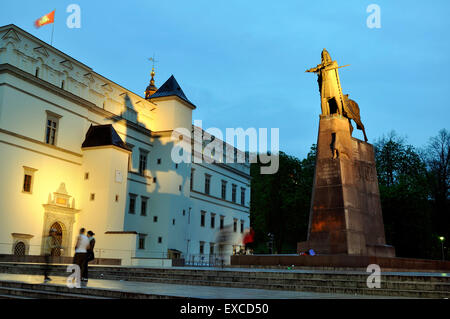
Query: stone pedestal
345, 216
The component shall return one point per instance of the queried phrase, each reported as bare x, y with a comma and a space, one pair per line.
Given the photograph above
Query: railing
126, 255
201, 260
132, 257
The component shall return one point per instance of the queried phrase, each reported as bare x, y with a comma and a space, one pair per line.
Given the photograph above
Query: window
154, 179
207, 183
184, 212
51, 128
211, 248
158, 161
176, 166
142, 241
144, 201
179, 188
202, 218
242, 196
92, 196
86, 176
132, 204
62, 87
222, 221
224, 189
173, 221
130, 156
36, 73
202, 247
19, 249
192, 178
233, 193
159, 240
27, 183
117, 198
142, 161
242, 226
155, 219
234, 224
213, 220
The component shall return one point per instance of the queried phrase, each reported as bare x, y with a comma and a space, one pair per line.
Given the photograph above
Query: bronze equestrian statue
332, 99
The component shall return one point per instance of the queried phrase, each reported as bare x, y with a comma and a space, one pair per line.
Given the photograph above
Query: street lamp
441, 238
270, 242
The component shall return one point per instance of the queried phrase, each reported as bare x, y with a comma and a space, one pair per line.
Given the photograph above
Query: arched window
59, 233
36, 74
19, 249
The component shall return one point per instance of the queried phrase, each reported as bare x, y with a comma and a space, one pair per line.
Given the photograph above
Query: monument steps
19, 290
21, 293
415, 286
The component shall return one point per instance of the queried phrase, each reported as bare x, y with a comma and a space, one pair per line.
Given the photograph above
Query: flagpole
53, 29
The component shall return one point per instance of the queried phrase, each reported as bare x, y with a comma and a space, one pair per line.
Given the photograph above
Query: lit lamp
441, 238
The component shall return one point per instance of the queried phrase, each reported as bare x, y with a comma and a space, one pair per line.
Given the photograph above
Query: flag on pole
47, 19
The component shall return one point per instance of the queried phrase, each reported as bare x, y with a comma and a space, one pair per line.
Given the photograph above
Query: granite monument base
345, 216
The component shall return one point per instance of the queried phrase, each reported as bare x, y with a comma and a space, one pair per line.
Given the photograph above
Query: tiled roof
171, 88
101, 135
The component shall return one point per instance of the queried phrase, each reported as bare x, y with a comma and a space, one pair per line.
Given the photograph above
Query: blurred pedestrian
81, 251
50, 243
248, 240
90, 253
224, 239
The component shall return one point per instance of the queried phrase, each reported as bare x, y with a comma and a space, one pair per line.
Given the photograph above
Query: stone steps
418, 286
11, 296
20, 290
241, 275
41, 294
310, 286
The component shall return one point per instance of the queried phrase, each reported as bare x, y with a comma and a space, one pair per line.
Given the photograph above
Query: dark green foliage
404, 197
280, 202
414, 191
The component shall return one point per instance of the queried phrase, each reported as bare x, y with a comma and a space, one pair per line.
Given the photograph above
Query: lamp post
270, 242
441, 238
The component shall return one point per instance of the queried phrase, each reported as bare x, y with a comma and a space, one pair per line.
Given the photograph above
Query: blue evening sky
243, 62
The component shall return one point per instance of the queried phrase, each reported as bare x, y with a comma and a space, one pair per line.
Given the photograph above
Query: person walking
249, 237
50, 243
90, 253
81, 251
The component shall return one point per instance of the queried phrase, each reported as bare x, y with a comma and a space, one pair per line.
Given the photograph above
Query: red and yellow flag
47, 19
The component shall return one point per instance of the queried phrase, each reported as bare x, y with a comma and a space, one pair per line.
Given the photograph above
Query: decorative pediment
89, 76
41, 50
61, 197
67, 64
11, 34
107, 87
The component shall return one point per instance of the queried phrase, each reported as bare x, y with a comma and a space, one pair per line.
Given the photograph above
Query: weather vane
152, 59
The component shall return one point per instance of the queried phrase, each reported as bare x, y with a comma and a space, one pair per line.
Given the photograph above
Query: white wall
88, 98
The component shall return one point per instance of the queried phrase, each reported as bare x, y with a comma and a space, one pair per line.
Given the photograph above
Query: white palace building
78, 150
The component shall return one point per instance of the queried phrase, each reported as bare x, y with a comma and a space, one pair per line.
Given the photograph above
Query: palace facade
78, 150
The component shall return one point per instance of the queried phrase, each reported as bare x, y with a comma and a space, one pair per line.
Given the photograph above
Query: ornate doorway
59, 213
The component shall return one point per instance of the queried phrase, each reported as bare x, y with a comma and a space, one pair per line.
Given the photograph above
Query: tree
280, 202
404, 194
437, 158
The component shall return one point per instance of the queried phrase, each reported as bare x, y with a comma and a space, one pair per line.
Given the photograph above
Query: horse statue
351, 111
